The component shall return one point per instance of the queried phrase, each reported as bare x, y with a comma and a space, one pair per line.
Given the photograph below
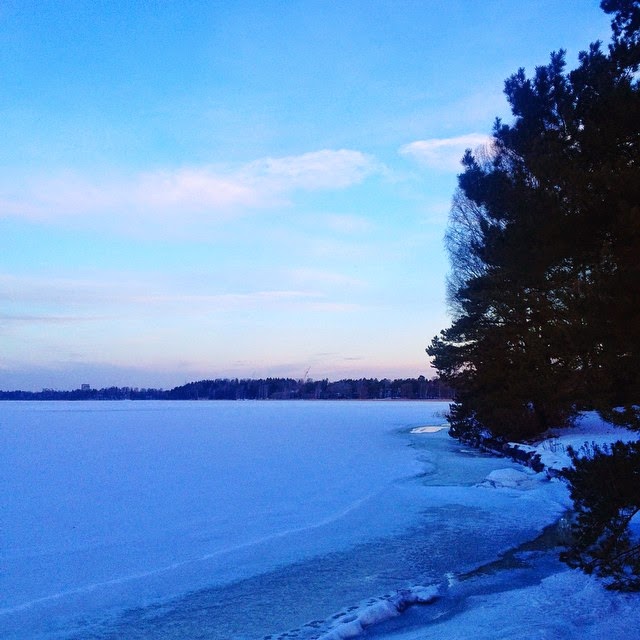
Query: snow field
172, 511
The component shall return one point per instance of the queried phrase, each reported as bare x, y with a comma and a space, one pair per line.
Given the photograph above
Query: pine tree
544, 240
605, 488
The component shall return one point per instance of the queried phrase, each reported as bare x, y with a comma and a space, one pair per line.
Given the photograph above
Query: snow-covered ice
276, 519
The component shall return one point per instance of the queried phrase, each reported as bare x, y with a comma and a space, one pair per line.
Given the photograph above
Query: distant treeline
262, 389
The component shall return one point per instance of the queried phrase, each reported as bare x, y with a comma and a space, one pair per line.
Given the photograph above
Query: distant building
85, 387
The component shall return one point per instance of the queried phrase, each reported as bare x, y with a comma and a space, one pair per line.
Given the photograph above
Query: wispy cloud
196, 188
347, 224
53, 291
325, 169
214, 191
59, 300
335, 307
444, 154
324, 277
42, 319
227, 301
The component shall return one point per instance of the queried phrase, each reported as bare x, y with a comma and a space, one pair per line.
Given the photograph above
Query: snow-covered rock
513, 479
380, 611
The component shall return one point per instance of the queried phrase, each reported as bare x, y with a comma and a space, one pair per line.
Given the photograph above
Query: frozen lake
235, 519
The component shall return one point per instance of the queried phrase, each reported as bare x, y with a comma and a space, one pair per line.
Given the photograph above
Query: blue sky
242, 189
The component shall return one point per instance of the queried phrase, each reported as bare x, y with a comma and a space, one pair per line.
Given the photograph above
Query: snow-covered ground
282, 520
589, 429
563, 603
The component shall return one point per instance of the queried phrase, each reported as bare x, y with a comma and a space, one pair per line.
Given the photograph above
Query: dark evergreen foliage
605, 488
544, 241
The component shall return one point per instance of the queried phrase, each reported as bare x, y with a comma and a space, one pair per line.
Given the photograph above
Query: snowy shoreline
560, 602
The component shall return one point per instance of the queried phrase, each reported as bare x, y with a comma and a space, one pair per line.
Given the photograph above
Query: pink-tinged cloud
212, 191
325, 169
196, 189
444, 154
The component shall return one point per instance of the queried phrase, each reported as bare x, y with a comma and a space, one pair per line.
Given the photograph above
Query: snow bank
567, 604
514, 479
589, 429
380, 611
